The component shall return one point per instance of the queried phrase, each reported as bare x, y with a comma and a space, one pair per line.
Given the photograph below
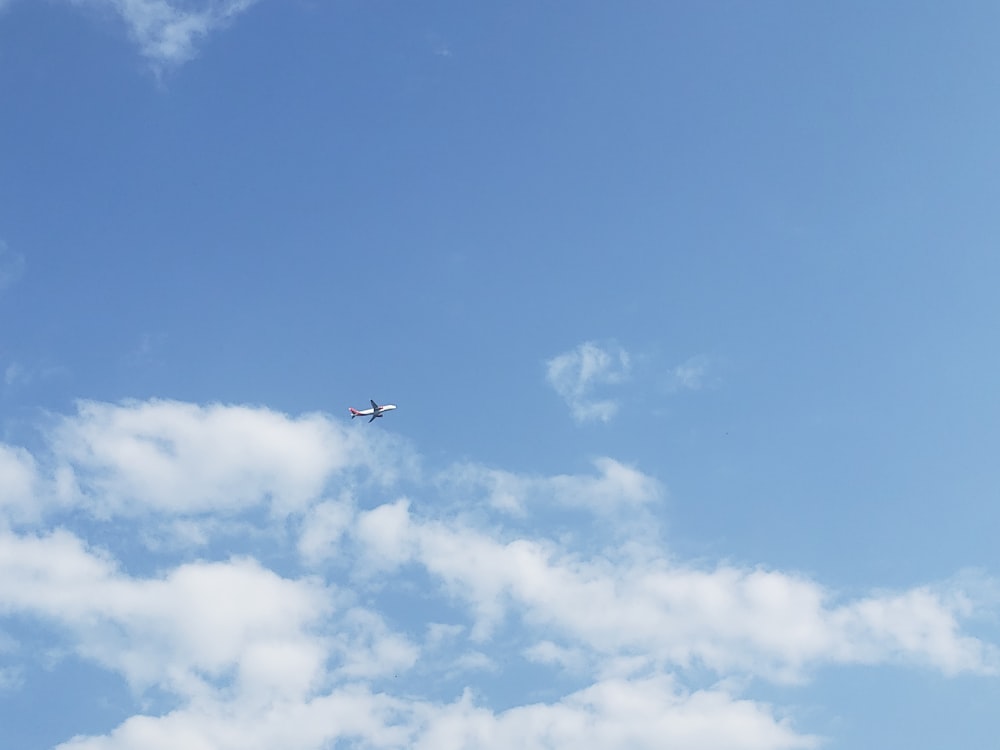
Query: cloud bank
300, 596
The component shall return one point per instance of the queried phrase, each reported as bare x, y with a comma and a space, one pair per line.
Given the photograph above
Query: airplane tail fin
354, 412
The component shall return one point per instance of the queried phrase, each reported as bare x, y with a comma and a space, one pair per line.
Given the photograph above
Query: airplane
375, 411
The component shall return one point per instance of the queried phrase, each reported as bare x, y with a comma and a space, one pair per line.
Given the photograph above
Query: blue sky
689, 311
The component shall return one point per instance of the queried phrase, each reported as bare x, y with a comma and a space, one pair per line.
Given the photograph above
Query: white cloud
610, 715
169, 457
426, 600
11, 677
475, 661
440, 634
370, 649
323, 527
918, 624
547, 652
618, 486
617, 714
578, 373
168, 32
178, 632
728, 619
385, 534
349, 713
21, 493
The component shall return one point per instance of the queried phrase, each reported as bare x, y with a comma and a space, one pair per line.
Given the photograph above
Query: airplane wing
373, 418
374, 405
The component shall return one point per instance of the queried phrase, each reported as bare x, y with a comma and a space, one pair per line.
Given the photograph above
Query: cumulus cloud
649, 713
374, 618
350, 713
169, 457
166, 32
579, 375
176, 632
728, 619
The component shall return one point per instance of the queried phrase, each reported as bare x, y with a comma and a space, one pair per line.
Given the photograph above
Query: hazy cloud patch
15, 374
580, 375
691, 375
12, 264
587, 377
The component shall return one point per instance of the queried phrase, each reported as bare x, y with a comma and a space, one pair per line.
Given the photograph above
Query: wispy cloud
616, 487
11, 678
691, 375
19, 375
166, 32
579, 375
12, 266
15, 374
162, 457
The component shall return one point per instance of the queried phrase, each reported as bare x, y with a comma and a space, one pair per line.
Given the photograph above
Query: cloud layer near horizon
314, 581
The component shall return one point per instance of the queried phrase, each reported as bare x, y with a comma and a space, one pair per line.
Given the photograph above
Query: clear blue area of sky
424, 202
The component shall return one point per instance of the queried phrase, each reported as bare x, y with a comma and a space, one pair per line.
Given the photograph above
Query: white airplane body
375, 412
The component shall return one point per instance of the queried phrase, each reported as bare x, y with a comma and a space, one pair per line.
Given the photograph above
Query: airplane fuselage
375, 412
